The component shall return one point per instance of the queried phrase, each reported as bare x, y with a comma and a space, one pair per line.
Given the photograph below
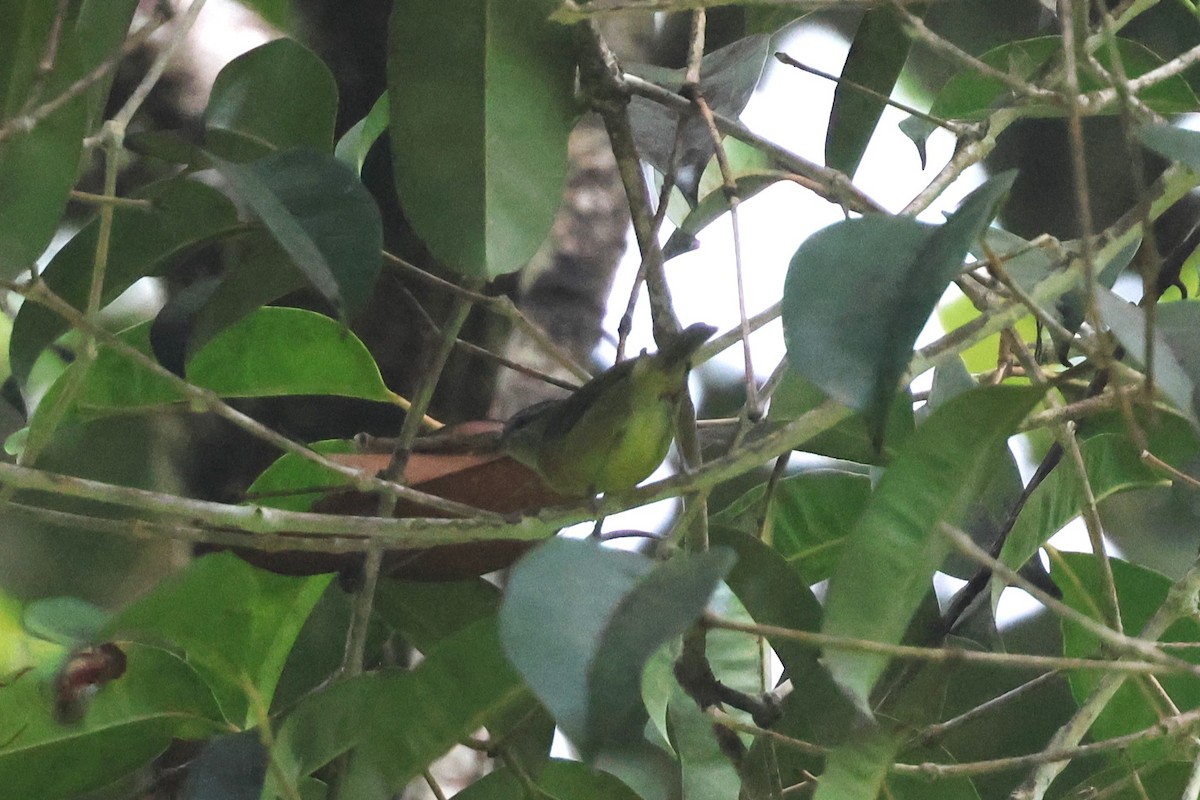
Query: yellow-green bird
615, 429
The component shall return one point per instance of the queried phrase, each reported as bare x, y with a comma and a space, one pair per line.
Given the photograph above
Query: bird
613, 431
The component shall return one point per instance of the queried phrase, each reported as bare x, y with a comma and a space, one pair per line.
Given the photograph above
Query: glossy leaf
355, 143
279, 94
183, 214
321, 216
462, 684
858, 293
287, 351
234, 625
579, 622
812, 514
877, 54
1140, 592
969, 95
480, 112
889, 560
727, 79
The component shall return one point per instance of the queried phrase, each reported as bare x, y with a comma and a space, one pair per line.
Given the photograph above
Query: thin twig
956, 655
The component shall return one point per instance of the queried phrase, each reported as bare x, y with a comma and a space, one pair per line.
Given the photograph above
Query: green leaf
66, 620
858, 293
1140, 592
579, 622
857, 769
1176, 144
812, 514
129, 721
462, 684
893, 551
233, 623
1176, 356
183, 214
876, 56
480, 112
727, 80
22, 650
427, 613
321, 215
770, 18
273, 352
101, 27
1028, 265
850, 439
970, 95
712, 207
38, 167
558, 779
280, 484
287, 351
706, 772
355, 143
1113, 466
279, 94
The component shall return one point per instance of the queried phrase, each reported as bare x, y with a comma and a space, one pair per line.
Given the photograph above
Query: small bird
615, 429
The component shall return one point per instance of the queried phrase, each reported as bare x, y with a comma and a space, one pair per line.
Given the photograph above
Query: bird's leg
594, 502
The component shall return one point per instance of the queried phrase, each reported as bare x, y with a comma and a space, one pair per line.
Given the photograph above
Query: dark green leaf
857, 769
876, 56
38, 167
970, 95
426, 613
183, 214
463, 683
850, 439
811, 516
101, 27
889, 560
713, 207
480, 112
355, 143
1176, 356
228, 768
706, 772
568, 780
1140, 592
858, 293
321, 215
279, 94
770, 18
580, 621
727, 80
233, 623
1112, 465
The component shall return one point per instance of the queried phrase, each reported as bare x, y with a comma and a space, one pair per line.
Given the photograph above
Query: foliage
657, 668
